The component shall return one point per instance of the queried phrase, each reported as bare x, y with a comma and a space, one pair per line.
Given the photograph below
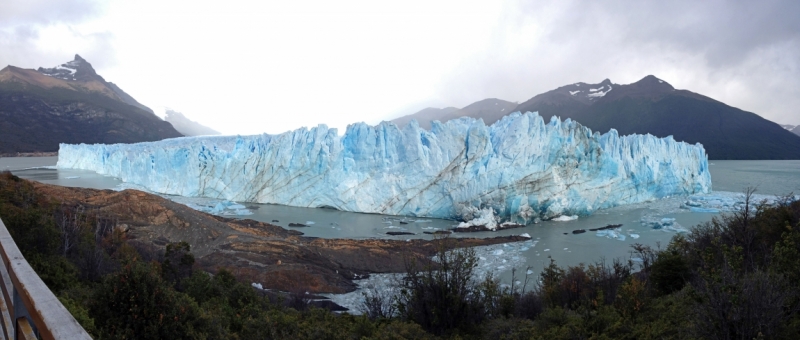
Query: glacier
521, 167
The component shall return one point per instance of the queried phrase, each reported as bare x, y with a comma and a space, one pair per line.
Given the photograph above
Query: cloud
46, 12
37, 33
723, 32
250, 67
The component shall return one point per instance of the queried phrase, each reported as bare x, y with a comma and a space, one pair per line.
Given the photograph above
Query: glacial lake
549, 239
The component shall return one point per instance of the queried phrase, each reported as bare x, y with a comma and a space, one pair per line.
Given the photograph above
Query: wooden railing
27, 307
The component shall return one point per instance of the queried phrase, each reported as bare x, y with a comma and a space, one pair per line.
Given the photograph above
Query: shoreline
257, 252
28, 154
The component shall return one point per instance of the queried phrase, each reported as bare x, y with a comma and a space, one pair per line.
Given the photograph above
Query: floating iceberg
565, 218
612, 234
722, 201
520, 167
486, 218
218, 208
665, 224
704, 210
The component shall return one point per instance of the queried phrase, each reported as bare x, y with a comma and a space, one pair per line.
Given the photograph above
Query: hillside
70, 103
653, 106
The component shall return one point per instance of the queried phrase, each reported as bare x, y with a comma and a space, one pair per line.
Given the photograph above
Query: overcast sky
270, 66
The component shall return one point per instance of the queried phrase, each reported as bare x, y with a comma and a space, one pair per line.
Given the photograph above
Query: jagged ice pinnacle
520, 167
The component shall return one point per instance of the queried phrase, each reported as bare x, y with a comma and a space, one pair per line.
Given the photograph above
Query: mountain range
70, 103
651, 105
491, 110
185, 125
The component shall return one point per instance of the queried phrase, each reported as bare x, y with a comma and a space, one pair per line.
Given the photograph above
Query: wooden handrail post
21, 313
34, 305
6, 298
24, 330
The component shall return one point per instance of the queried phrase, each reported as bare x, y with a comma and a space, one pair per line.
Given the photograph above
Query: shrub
669, 272
136, 303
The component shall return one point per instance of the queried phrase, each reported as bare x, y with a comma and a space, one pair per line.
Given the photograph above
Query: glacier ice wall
521, 167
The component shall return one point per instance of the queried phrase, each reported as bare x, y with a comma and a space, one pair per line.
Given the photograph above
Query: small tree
177, 265
442, 296
377, 305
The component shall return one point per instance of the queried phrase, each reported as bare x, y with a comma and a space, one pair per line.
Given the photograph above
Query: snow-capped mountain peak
63, 71
77, 69
593, 92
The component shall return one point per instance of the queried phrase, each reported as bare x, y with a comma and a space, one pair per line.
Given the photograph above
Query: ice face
520, 167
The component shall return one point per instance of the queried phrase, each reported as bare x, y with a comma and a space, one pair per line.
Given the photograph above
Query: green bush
137, 303
669, 272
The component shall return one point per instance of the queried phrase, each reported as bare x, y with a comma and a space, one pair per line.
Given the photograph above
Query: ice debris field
222, 208
521, 168
499, 259
493, 260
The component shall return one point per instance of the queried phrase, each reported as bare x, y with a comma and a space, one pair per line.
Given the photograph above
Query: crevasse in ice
521, 167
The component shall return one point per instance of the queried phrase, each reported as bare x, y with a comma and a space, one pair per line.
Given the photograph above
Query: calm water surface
768, 177
554, 239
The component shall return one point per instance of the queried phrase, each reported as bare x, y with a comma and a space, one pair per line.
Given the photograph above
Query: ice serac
521, 167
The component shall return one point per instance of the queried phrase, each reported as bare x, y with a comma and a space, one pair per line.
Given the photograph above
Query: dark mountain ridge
70, 103
653, 106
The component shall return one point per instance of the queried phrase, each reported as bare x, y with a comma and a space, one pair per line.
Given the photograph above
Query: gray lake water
551, 239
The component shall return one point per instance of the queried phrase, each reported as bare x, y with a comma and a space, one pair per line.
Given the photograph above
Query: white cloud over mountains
249, 67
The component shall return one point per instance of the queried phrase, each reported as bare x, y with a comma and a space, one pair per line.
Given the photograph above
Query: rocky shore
258, 252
